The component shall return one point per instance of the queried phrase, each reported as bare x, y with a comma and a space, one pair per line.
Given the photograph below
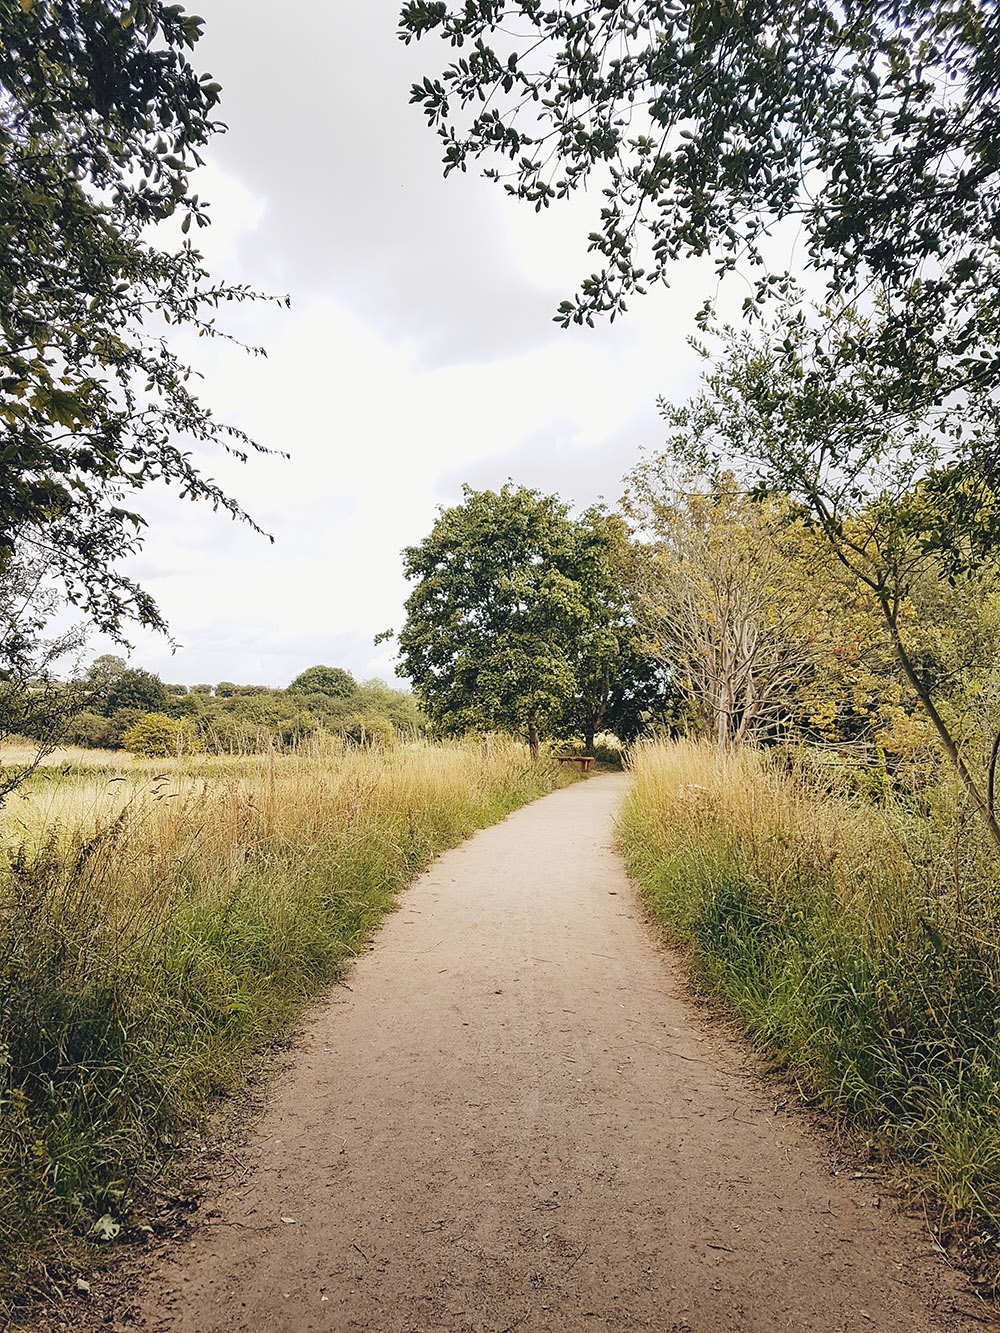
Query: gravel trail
515, 1120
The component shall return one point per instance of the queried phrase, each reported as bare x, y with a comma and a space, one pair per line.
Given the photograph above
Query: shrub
367, 729
156, 736
119, 725
89, 730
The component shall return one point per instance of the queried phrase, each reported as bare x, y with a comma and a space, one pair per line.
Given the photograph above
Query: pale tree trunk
726, 701
533, 740
596, 714
722, 727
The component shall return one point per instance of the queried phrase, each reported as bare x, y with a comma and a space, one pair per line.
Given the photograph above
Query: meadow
856, 934
161, 921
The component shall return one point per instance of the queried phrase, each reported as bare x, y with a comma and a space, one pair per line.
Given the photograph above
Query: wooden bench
582, 761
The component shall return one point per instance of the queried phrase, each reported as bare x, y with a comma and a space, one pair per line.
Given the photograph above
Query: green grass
860, 944
160, 923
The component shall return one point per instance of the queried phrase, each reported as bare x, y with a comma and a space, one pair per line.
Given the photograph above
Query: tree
136, 688
899, 499
332, 681
494, 625
871, 131
727, 599
609, 666
102, 119
624, 691
645, 699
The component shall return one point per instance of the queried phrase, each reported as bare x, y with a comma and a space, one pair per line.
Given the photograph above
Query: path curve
514, 1120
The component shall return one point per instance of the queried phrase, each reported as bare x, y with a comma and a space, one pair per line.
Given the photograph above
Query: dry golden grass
161, 919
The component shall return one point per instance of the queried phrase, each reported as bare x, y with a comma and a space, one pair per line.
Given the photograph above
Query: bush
156, 736
184, 705
89, 730
119, 725
367, 730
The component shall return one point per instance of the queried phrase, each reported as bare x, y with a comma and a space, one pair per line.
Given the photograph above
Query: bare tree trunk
722, 729
724, 717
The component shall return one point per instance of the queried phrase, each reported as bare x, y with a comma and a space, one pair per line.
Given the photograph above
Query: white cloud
419, 351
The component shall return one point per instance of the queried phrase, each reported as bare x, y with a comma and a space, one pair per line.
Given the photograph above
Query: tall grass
160, 920
859, 941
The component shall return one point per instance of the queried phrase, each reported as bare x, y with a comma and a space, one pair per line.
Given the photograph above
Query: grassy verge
860, 943
161, 920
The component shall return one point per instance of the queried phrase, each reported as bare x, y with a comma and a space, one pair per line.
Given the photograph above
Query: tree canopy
619, 688
333, 681
873, 129
102, 120
728, 599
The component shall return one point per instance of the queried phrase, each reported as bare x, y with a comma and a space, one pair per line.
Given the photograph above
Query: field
160, 921
858, 939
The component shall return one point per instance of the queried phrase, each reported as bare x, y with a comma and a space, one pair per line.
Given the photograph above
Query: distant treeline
135, 710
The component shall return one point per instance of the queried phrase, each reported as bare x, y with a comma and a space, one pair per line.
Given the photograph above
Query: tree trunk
982, 804
722, 727
596, 717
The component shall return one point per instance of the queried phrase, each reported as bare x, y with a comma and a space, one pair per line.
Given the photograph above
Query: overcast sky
419, 352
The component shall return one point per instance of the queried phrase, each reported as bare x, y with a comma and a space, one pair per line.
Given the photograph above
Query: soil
515, 1118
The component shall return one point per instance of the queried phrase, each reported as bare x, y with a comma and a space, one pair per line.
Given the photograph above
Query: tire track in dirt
514, 1120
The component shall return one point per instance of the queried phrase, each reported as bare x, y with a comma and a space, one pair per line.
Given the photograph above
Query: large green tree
617, 685
137, 689
102, 120
504, 611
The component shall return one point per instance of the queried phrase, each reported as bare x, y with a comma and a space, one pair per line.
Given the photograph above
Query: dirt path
514, 1121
